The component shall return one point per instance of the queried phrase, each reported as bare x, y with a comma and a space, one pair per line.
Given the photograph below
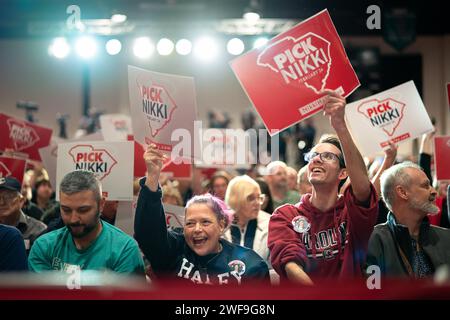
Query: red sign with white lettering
284, 79
12, 167
442, 157
23, 136
182, 170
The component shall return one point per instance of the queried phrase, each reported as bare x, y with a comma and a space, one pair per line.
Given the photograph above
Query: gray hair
77, 181
393, 177
271, 167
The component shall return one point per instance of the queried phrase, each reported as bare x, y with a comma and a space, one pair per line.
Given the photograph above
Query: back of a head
77, 181
392, 177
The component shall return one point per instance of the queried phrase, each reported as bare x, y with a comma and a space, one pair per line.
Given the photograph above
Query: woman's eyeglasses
259, 198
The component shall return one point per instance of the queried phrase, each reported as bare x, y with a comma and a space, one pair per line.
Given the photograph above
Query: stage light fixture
86, 47
165, 46
113, 47
235, 46
118, 18
205, 49
143, 47
301, 144
59, 48
253, 12
183, 47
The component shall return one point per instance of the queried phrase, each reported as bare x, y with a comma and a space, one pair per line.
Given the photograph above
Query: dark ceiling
17, 16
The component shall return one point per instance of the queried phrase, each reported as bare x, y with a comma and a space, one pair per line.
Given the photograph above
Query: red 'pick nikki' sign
284, 79
23, 136
12, 167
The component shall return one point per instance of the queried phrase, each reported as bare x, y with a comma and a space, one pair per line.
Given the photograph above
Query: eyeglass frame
261, 198
312, 154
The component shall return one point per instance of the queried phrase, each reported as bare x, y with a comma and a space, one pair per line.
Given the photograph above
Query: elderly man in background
277, 180
407, 245
11, 212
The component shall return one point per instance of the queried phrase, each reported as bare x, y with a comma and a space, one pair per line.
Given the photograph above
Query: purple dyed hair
219, 207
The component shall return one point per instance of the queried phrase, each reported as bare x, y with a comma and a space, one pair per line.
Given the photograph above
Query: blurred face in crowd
325, 171
250, 206
170, 200
292, 178
44, 191
10, 204
442, 188
278, 178
421, 194
219, 187
202, 230
81, 212
304, 185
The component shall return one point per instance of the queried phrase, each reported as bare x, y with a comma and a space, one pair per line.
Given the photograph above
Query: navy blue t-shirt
12, 250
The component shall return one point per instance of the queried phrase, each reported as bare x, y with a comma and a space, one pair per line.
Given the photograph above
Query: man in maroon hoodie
326, 234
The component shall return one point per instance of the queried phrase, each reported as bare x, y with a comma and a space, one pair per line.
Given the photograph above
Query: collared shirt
30, 229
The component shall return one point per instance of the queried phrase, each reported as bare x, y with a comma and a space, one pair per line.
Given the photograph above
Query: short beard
427, 207
87, 228
282, 187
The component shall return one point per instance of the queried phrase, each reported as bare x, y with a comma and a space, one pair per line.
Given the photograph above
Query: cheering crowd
332, 219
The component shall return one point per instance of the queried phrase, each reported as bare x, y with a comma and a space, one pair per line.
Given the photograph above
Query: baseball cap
10, 183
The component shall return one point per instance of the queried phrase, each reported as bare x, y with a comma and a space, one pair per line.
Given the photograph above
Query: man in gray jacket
407, 245
11, 211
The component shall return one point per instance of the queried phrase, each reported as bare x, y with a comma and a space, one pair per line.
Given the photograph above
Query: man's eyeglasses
325, 157
259, 198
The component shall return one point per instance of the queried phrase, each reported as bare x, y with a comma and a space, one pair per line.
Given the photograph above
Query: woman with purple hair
199, 254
